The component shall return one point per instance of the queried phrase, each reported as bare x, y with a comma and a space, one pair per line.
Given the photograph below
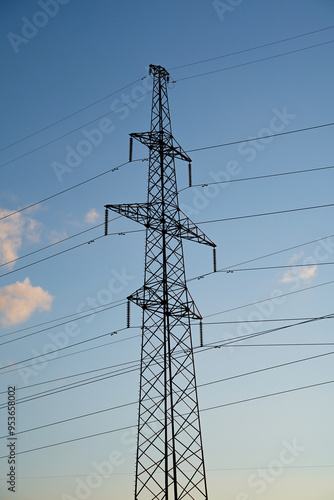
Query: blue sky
79, 53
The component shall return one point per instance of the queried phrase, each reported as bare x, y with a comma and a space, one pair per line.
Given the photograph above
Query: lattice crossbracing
170, 462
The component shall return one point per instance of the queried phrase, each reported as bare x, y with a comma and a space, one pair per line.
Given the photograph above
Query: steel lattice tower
170, 462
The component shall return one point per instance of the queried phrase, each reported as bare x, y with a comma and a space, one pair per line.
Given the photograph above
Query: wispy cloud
11, 230
300, 273
92, 216
55, 236
20, 300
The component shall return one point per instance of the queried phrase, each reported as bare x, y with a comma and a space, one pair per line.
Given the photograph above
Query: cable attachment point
106, 223
201, 333
189, 173
128, 314
130, 148
214, 260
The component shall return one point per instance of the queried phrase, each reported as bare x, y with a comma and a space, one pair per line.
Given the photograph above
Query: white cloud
55, 236
12, 231
92, 216
300, 273
20, 300
296, 257
33, 230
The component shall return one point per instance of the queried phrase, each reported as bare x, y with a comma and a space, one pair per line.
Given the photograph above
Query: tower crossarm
190, 231
135, 211
143, 213
153, 140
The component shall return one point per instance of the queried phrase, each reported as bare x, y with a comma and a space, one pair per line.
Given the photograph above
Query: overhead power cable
265, 332
269, 299
81, 351
258, 177
51, 256
204, 148
79, 315
69, 346
16, 339
201, 222
170, 69
88, 242
291, 266
72, 385
251, 48
263, 214
212, 345
319, 384
227, 379
72, 114
92, 311
262, 257
71, 131
222, 312
253, 62
66, 190
124, 364
57, 243
225, 469
189, 151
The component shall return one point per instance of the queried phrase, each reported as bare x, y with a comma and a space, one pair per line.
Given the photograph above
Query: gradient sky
82, 51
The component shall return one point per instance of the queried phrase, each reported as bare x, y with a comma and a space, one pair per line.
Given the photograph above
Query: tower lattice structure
170, 461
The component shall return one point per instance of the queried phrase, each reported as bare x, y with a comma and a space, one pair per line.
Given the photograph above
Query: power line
318, 344
267, 213
267, 395
258, 177
171, 69
291, 266
248, 50
130, 369
115, 332
126, 339
263, 256
70, 115
84, 314
67, 189
253, 62
69, 346
191, 279
233, 377
189, 151
51, 256
86, 372
319, 384
285, 467
56, 243
88, 242
71, 132
269, 299
262, 137
114, 304
73, 385
201, 222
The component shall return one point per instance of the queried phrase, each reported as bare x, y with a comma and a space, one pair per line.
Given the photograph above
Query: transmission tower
170, 462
